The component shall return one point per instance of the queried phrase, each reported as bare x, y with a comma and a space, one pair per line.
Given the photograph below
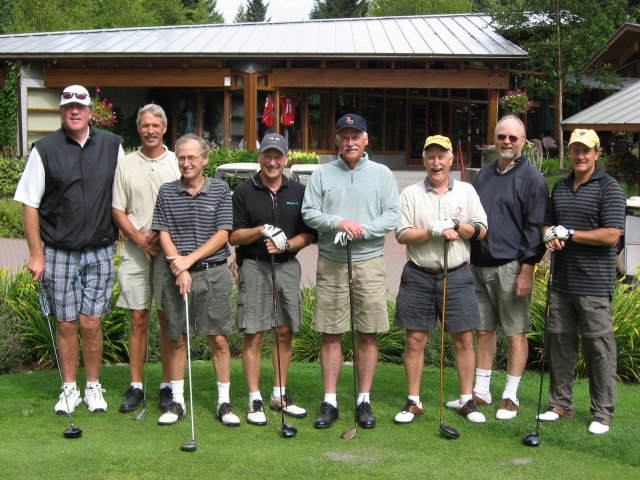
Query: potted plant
515, 103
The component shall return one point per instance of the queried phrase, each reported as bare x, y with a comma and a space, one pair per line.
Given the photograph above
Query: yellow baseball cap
444, 142
586, 137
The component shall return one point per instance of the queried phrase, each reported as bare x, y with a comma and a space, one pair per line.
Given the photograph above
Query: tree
560, 36
386, 8
338, 9
253, 11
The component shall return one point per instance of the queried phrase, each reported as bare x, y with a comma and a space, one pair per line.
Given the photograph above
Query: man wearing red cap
582, 227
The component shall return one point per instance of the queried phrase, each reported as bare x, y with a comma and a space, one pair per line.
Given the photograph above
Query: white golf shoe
408, 413
599, 426
94, 399
469, 410
255, 415
73, 400
508, 409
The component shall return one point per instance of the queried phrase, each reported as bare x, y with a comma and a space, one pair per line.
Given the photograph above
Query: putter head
448, 432
288, 431
141, 415
189, 446
349, 434
73, 432
531, 439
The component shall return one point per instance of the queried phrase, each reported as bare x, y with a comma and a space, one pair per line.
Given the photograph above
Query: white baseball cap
75, 94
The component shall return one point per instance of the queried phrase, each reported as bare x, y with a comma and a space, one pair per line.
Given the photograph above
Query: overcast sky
279, 10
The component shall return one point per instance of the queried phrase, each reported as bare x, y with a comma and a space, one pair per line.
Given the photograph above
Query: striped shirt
191, 220
599, 203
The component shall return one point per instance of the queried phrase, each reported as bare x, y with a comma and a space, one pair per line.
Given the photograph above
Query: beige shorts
496, 291
332, 311
133, 277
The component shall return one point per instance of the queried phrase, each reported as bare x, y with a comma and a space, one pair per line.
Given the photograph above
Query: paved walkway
15, 253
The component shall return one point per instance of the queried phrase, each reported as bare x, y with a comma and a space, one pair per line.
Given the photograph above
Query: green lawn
115, 446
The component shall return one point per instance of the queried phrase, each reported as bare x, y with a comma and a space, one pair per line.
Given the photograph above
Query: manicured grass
115, 446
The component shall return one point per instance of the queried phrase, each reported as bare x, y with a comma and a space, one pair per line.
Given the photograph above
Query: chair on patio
621, 146
550, 146
537, 145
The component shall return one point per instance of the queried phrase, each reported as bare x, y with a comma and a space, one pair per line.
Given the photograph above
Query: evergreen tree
338, 9
253, 11
386, 8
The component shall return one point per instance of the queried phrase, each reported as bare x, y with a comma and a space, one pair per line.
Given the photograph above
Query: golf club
72, 431
533, 439
143, 413
349, 434
286, 430
191, 445
445, 430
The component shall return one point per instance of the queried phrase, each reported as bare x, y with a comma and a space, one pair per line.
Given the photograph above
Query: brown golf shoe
554, 414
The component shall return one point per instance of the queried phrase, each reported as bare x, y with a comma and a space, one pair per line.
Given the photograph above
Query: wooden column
250, 111
492, 115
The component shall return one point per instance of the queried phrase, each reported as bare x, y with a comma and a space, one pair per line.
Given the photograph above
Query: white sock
95, 384
223, 393
363, 397
165, 385
137, 385
331, 399
511, 390
416, 398
177, 388
465, 398
254, 396
70, 386
276, 392
483, 381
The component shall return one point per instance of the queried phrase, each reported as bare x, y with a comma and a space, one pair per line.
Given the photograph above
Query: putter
349, 434
533, 439
191, 445
445, 430
141, 415
286, 430
72, 431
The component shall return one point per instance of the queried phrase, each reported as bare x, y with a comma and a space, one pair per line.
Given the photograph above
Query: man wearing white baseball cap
584, 219
66, 192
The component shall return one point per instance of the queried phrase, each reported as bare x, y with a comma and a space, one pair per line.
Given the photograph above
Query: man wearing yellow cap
583, 224
432, 212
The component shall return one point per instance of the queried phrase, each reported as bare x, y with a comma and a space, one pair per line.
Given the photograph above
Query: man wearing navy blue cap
351, 198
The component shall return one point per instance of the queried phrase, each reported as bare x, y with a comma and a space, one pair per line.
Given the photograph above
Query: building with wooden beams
409, 77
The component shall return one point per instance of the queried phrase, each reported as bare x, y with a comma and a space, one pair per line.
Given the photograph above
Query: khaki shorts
209, 303
133, 277
496, 291
332, 312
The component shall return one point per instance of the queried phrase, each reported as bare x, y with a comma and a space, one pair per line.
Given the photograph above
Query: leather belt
202, 266
440, 271
282, 258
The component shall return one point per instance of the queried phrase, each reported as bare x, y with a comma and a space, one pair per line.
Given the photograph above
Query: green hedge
10, 173
11, 219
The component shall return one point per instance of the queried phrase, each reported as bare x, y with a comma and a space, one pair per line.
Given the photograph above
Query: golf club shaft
544, 339
442, 319
353, 334
186, 310
277, 338
146, 362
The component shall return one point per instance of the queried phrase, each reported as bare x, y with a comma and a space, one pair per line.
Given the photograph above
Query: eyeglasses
79, 96
189, 159
512, 138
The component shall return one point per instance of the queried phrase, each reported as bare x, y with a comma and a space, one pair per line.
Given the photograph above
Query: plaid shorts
77, 281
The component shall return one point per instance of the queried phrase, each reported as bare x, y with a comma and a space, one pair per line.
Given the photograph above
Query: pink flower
98, 90
110, 105
510, 92
518, 91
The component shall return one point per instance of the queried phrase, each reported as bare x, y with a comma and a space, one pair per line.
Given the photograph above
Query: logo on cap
349, 120
582, 133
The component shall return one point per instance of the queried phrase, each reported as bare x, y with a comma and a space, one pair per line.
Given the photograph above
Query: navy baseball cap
351, 120
274, 140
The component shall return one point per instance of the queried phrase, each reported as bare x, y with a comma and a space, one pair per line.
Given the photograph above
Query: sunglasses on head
512, 138
79, 96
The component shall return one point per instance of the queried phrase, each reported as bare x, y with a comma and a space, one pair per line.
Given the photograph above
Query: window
372, 113
320, 122
395, 121
212, 114
291, 119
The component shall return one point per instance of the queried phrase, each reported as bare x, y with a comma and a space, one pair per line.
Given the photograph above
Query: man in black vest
66, 194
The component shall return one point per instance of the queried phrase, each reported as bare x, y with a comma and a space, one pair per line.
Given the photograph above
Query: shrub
220, 156
10, 173
624, 167
303, 158
550, 166
11, 219
12, 352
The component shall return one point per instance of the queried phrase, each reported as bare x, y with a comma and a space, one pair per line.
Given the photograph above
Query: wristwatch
571, 232
457, 224
287, 247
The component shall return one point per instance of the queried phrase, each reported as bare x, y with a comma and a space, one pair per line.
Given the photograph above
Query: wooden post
492, 115
250, 111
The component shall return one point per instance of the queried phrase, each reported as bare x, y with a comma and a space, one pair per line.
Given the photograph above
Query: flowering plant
624, 167
484, 148
515, 103
102, 115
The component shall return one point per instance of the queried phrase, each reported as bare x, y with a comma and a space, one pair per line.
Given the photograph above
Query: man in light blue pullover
350, 198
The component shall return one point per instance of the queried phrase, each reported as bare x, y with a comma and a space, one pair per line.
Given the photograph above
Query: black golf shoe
166, 397
132, 398
365, 417
328, 415
175, 412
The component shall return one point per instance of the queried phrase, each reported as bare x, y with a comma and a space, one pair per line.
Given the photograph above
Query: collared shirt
421, 205
254, 204
137, 182
508, 167
191, 220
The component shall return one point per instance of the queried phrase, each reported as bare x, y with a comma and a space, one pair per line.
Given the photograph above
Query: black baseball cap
351, 120
274, 140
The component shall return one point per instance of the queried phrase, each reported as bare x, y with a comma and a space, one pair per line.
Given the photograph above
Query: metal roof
620, 111
431, 36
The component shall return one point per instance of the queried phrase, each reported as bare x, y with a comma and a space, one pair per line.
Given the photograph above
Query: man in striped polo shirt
194, 217
583, 224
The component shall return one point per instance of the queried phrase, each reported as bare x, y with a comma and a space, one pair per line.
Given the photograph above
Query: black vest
75, 210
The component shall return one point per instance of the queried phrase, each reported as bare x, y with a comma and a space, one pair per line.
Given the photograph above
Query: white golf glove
558, 232
276, 235
436, 228
342, 238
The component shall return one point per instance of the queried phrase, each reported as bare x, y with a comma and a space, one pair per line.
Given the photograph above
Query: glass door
418, 131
